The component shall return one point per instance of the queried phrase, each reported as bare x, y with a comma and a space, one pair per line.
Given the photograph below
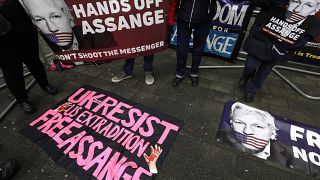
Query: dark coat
259, 44
196, 11
21, 42
88, 41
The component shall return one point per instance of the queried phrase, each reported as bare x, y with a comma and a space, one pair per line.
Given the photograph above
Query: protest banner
291, 25
228, 29
309, 54
271, 137
100, 135
102, 30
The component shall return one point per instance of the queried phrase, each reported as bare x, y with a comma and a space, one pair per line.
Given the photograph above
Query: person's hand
152, 159
300, 43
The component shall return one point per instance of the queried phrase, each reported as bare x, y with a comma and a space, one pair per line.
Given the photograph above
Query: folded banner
101, 30
228, 29
100, 135
271, 137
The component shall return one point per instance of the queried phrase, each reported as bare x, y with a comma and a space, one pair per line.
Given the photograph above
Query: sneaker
149, 78
120, 77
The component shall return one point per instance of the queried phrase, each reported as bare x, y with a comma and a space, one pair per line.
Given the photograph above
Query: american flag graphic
294, 16
59, 37
250, 140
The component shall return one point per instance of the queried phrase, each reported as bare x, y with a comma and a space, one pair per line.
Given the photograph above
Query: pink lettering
73, 96
66, 130
59, 125
132, 120
101, 159
73, 154
118, 110
165, 133
139, 122
47, 125
106, 103
83, 161
139, 172
90, 99
44, 117
112, 166
72, 140
149, 125
123, 168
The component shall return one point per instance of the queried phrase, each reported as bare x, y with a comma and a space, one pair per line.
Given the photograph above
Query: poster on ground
228, 29
102, 30
99, 135
270, 137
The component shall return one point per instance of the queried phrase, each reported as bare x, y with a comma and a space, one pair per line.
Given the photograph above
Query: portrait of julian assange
257, 133
251, 130
55, 22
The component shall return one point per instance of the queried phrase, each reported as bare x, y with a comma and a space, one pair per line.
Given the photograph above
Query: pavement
195, 154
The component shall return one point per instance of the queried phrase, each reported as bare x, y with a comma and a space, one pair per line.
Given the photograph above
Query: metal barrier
274, 69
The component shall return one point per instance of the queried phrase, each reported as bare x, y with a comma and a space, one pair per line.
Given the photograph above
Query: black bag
5, 26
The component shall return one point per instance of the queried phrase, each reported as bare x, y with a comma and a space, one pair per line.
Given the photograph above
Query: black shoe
50, 89
27, 107
243, 81
248, 97
194, 81
8, 168
177, 81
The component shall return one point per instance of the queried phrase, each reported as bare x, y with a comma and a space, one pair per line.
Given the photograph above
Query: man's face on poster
251, 130
51, 20
304, 8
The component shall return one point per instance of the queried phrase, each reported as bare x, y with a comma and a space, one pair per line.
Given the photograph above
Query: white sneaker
149, 78
120, 77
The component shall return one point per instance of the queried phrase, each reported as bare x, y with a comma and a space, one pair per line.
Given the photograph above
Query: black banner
100, 135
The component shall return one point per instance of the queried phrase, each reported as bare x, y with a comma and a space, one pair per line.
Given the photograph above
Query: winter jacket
259, 44
196, 11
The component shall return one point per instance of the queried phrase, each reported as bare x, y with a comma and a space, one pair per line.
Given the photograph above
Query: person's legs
148, 61
183, 40
262, 73
147, 67
36, 68
128, 66
13, 76
200, 34
30, 57
250, 69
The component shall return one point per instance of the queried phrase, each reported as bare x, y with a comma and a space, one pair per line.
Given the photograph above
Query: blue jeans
200, 33
129, 64
259, 70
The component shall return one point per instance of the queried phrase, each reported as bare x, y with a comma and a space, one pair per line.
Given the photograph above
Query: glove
300, 43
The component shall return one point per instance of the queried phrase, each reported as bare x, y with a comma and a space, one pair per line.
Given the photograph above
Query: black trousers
18, 46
